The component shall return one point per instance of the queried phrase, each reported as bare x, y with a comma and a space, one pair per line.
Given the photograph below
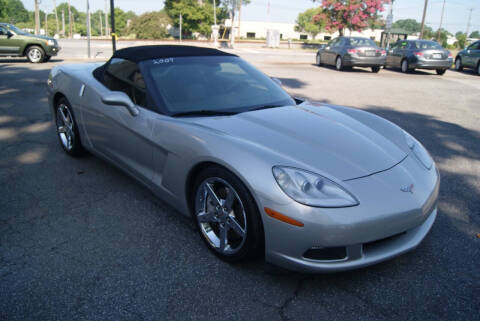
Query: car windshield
425, 45
362, 42
211, 83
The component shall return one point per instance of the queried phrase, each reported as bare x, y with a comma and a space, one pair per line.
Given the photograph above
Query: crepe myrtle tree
357, 15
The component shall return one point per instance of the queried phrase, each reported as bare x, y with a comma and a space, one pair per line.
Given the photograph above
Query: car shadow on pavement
25, 60
293, 83
345, 69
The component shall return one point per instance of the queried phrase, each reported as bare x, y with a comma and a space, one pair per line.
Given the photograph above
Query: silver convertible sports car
312, 187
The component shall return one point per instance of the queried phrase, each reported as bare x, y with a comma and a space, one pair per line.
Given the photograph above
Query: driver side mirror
118, 98
10, 34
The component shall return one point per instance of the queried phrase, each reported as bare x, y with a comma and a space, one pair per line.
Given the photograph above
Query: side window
474, 46
3, 31
124, 75
403, 45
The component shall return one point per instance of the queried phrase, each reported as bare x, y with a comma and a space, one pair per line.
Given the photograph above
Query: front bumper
431, 63
52, 50
352, 61
387, 222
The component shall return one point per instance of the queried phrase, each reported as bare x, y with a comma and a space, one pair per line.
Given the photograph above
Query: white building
258, 30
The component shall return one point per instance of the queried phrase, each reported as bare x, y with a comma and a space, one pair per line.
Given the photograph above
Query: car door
399, 53
390, 61
472, 55
7, 44
329, 53
111, 130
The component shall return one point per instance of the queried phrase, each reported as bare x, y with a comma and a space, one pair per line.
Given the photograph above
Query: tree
443, 37
150, 25
305, 22
15, 12
475, 34
196, 16
461, 40
3, 9
351, 14
409, 25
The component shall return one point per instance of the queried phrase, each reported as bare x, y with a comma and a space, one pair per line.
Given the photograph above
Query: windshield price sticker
162, 61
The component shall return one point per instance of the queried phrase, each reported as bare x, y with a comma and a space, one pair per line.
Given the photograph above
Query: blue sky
455, 18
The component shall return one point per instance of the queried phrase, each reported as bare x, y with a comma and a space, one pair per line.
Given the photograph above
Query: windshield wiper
204, 112
264, 107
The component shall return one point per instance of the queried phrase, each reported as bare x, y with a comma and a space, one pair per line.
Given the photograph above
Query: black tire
375, 69
47, 58
35, 54
339, 63
253, 243
440, 71
478, 68
458, 64
73, 145
404, 66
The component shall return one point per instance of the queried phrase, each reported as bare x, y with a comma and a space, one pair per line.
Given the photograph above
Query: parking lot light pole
112, 25
88, 29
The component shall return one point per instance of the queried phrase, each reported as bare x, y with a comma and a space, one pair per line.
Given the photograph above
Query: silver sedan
311, 187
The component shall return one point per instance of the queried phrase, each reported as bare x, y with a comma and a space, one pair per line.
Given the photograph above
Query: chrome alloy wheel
318, 60
221, 215
35, 55
65, 126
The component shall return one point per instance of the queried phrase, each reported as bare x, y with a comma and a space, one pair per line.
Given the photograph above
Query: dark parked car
15, 42
409, 55
344, 52
469, 58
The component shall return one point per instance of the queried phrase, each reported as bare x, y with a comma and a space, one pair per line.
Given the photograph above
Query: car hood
319, 138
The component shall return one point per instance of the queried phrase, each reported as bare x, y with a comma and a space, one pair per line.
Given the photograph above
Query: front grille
378, 243
326, 253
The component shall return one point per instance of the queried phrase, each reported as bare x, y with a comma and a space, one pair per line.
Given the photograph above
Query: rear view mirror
118, 98
10, 34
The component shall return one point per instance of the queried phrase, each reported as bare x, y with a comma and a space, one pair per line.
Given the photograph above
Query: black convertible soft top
141, 53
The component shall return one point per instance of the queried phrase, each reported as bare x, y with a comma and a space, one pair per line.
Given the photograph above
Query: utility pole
112, 23
215, 27
181, 21
468, 24
106, 18
423, 18
88, 29
239, 16
63, 22
389, 25
70, 20
441, 21
56, 15
46, 23
101, 24
37, 19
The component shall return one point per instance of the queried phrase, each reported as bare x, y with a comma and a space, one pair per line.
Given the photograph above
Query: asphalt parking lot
79, 240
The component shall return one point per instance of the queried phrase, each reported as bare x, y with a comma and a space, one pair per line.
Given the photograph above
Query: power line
468, 24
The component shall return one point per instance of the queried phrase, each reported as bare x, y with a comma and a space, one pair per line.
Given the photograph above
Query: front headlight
419, 151
312, 189
50, 42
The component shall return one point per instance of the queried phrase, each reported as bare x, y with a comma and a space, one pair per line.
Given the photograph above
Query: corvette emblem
408, 189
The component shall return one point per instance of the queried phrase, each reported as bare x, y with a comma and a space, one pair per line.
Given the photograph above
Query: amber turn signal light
282, 217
